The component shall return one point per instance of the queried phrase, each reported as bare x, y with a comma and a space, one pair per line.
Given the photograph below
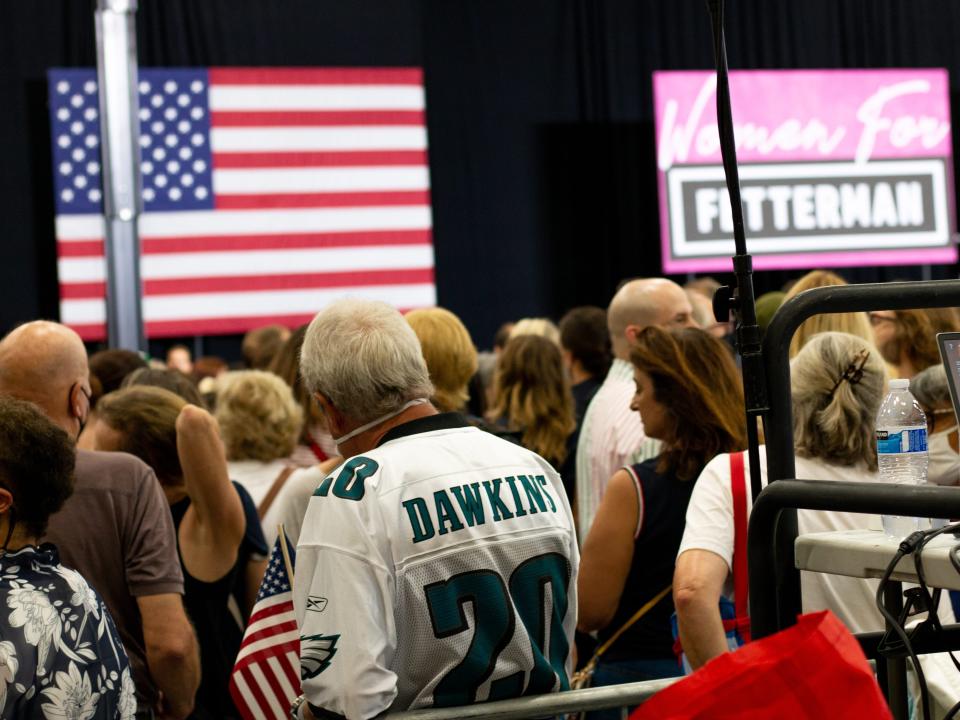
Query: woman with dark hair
906, 339
173, 380
690, 398
60, 653
532, 398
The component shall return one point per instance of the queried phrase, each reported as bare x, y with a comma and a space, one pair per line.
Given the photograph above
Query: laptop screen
949, 343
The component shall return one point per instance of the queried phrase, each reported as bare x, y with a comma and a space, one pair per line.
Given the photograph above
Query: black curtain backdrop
540, 119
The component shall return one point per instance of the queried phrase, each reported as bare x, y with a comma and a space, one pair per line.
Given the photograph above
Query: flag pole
120, 152
286, 553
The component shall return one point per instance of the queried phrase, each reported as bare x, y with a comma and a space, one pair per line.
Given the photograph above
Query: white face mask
373, 423
944, 467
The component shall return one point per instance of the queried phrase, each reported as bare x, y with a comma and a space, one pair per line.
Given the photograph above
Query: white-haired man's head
364, 358
642, 303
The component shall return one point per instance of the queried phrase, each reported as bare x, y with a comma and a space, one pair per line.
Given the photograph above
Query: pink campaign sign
838, 167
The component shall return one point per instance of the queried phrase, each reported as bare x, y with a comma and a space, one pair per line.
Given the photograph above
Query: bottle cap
900, 384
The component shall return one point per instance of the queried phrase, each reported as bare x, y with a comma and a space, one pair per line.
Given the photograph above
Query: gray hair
364, 358
930, 388
831, 421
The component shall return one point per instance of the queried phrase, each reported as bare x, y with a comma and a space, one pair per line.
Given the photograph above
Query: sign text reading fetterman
843, 167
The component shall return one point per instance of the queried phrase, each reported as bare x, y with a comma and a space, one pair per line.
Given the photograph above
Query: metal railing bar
778, 423
788, 495
540, 706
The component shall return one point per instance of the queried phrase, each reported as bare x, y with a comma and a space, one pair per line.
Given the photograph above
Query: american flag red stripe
358, 158
318, 183
258, 282
325, 199
316, 76
287, 626
253, 681
272, 118
160, 245
266, 676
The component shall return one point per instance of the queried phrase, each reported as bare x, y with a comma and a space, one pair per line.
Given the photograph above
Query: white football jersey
438, 569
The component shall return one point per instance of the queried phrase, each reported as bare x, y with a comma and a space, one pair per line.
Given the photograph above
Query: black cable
917, 597
906, 548
954, 556
933, 599
952, 712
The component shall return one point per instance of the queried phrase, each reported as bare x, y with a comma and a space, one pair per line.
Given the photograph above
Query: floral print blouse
60, 655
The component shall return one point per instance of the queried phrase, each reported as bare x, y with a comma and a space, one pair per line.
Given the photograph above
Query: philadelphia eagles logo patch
316, 652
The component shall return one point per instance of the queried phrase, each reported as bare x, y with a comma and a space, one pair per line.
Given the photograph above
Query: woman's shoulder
817, 469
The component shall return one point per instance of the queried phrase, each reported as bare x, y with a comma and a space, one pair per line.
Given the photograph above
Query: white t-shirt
709, 526
290, 505
438, 568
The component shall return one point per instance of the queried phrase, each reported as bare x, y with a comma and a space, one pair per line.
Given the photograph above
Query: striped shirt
611, 436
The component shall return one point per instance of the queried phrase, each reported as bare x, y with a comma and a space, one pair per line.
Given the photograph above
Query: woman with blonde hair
260, 424
450, 355
855, 323
544, 327
532, 397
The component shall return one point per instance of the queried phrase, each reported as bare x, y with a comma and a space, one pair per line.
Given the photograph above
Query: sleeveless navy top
207, 603
663, 514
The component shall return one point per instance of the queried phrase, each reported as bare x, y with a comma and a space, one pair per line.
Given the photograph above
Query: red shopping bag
811, 671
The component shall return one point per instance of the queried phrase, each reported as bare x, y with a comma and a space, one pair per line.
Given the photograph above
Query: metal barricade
543, 706
776, 605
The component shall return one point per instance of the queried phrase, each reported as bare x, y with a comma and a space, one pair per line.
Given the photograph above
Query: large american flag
267, 193
266, 676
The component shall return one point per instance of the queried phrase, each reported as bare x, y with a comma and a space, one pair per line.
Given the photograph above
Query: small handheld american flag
266, 676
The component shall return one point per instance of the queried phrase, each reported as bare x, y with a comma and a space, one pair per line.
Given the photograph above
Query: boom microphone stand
740, 299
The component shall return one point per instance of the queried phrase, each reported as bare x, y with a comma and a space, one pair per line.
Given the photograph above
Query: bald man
116, 528
611, 435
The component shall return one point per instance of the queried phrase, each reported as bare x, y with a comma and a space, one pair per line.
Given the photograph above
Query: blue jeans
616, 672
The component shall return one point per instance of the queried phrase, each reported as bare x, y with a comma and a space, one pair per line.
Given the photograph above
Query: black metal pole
896, 666
783, 496
837, 299
741, 302
778, 428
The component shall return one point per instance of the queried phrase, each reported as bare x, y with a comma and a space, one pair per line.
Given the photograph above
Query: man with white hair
437, 566
611, 435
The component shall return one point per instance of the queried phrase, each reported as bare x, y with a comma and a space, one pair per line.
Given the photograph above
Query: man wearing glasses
906, 339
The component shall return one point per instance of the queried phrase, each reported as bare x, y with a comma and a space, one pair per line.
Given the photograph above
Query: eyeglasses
88, 394
878, 319
854, 372
932, 418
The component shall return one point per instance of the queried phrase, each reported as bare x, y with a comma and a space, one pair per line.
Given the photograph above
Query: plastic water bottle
901, 448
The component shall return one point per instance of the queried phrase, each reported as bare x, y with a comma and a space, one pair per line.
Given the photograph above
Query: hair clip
854, 372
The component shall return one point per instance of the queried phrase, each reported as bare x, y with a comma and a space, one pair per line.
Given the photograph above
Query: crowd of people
468, 526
